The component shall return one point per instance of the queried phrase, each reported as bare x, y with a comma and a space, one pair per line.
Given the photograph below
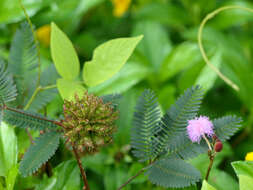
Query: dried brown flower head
89, 123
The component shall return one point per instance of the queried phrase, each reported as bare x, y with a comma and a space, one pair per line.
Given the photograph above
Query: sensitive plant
66, 78
166, 141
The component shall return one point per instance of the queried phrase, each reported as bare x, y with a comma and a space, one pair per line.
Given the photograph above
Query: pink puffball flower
198, 127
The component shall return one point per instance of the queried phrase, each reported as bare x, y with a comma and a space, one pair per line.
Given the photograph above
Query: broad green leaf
206, 186
66, 176
243, 168
189, 75
40, 152
10, 11
179, 59
207, 76
222, 180
11, 177
108, 59
155, 44
170, 13
166, 96
233, 17
68, 88
245, 182
93, 162
115, 177
46, 184
63, 54
130, 74
8, 149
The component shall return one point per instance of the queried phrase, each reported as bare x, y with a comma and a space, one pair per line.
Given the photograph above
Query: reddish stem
86, 185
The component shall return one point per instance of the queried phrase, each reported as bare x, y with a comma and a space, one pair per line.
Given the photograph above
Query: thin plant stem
207, 142
131, 178
32, 98
36, 92
34, 116
204, 21
83, 174
211, 158
35, 41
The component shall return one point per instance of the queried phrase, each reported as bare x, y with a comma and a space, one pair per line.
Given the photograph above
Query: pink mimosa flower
198, 127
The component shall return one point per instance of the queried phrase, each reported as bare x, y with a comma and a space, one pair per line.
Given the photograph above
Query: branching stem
35, 93
83, 174
131, 178
204, 21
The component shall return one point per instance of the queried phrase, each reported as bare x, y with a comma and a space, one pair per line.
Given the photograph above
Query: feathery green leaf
146, 117
23, 59
48, 77
226, 126
8, 91
172, 136
27, 119
39, 153
173, 173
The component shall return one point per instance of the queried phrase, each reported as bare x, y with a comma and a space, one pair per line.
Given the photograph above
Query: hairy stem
83, 174
211, 158
35, 40
34, 116
204, 21
131, 178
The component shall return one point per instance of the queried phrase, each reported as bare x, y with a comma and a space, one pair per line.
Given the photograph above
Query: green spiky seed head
89, 123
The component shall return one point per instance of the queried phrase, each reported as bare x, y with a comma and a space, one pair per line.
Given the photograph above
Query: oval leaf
8, 149
68, 88
108, 59
206, 186
63, 54
245, 182
243, 168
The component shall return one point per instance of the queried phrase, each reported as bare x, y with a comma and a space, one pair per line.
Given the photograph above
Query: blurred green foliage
167, 60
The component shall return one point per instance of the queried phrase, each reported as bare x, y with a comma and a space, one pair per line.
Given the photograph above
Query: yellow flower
249, 156
120, 7
43, 35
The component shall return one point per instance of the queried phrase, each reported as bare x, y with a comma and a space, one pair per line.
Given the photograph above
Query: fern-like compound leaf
226, 126
48, 77
146, 117
27, 119
173, 173
8, 91
185, 108
182, 147
172, 136
23, 59
39, 153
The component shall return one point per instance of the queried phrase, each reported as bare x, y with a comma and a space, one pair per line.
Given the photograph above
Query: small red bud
215, 137
218, 146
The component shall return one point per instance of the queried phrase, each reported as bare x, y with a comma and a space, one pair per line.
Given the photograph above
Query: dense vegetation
103, 92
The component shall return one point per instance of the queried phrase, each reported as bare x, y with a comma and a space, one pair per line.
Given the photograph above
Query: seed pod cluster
89, 123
